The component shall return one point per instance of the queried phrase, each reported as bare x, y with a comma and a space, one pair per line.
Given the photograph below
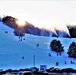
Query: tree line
55, 45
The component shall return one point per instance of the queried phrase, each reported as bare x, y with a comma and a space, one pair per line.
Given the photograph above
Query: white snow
12, 50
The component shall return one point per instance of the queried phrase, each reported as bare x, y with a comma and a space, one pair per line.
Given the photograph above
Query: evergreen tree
56, 46
72, 50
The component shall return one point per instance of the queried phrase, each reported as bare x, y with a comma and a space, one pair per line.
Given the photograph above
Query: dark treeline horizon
71, 28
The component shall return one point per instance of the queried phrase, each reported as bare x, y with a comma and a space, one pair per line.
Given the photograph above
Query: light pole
34, 60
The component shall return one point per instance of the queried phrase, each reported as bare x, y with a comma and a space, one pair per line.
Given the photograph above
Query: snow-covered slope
12, 50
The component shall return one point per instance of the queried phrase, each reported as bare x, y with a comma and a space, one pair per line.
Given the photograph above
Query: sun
20, 23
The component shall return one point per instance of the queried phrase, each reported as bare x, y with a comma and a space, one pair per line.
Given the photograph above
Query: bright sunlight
20, 23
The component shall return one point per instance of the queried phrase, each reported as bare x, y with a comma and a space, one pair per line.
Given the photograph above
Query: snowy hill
12, 50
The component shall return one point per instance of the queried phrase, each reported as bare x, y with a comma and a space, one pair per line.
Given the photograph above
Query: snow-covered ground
12, 50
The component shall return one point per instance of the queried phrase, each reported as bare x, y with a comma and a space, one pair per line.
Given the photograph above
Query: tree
72, 30
7, 18
18, 33
72, 50
56, 46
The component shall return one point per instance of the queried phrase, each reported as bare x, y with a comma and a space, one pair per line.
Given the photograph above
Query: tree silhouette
56, 46
72, 50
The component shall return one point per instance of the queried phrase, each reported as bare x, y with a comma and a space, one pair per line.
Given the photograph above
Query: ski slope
12, 50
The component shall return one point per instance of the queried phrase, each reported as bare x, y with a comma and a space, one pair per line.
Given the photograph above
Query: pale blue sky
41, 12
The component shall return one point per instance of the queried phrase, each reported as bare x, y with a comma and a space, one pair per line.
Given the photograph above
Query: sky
45, 12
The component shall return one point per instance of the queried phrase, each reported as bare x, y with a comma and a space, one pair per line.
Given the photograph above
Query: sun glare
20, 23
